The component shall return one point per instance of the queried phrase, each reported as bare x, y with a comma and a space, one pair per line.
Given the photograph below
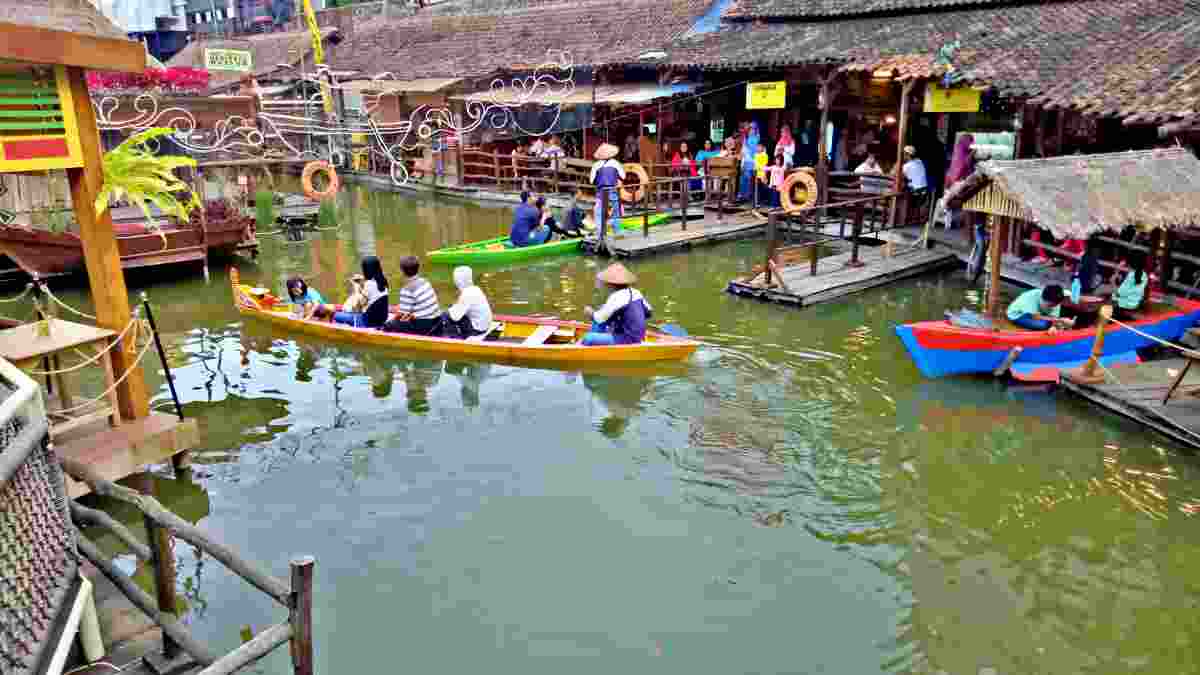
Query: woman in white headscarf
471, 314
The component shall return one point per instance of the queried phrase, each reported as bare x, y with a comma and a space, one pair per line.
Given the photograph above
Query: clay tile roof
267, 50
1135, 59
1076, 196
76, 16
516, 34
807, 9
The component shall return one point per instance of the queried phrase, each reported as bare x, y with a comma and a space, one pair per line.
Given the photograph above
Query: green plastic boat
498, 251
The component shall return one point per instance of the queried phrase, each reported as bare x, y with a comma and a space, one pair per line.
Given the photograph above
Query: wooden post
772, 229
902, 135
300, 615
496, 168
824, 102
686, 195
163, 559
995, 255
101, 257
603, 224
1060, 124
855, 233
1164, 251
1090, 369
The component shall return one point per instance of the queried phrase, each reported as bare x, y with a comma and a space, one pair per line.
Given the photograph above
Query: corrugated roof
426, 85
615, 93
798, 9
1077, 196
268, 50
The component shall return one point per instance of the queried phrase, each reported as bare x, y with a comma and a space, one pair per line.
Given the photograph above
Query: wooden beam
261, 645
103, 260
995, 255
34, 44
300, 617
898, 172
829, 89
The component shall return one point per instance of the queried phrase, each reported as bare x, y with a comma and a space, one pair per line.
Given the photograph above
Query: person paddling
622, 319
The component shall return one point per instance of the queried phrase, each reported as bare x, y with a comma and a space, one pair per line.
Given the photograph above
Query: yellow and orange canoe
513, 339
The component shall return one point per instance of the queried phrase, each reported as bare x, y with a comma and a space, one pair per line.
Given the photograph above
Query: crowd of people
620, 320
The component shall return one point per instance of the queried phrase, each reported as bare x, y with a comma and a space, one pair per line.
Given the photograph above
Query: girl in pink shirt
776, 174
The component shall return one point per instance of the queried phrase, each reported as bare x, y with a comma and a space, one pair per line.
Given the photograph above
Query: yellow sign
766, 95
236, 60
957, 100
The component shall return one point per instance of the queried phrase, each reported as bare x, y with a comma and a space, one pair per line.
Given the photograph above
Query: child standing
775, 177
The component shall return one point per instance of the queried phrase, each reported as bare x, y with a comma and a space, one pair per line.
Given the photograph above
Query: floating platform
1139, 392
668, 237
796, 285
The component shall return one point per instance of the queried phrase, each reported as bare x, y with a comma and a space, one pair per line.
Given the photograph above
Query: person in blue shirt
305, 301
1038, 309
1131, 292
526, 226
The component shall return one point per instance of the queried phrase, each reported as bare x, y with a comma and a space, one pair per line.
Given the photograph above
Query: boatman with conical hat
607, 172
622, 319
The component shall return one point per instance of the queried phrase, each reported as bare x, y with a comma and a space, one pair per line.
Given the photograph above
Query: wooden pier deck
1137, 392
669, 237
796, 285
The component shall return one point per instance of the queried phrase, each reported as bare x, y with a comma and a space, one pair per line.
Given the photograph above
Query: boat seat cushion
540, 335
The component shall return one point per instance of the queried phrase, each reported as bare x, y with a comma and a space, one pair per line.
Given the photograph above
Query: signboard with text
766, 95
236, 60
956, 100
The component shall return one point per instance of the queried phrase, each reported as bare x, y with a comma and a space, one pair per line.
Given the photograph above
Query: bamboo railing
160, 524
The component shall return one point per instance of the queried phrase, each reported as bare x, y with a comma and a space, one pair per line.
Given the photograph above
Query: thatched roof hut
66, 32
1077, 196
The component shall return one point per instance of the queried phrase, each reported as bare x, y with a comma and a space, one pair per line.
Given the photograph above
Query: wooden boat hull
479, 253
657, 347
940, 349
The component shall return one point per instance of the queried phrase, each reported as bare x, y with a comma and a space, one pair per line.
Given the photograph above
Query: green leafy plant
327, 215
264, 209
133, 173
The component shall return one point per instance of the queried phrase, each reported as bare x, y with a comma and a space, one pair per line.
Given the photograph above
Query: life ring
809, 184
639, 193
306, 180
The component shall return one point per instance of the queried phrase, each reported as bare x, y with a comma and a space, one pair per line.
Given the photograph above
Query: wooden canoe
514, 339
499, 251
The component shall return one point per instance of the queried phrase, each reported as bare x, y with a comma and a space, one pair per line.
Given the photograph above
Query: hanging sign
957, 100
766, 95
716, 131
236, 60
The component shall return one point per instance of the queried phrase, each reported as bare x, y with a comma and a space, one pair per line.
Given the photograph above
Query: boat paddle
672, 329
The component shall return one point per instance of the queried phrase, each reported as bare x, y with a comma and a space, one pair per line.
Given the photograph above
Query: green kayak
635, 222
499, 250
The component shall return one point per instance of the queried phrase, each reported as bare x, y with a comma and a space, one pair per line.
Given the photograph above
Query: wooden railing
160, 524
661, 195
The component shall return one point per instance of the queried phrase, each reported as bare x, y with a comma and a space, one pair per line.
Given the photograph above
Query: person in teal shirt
1038, 308
1131, 292
305, 301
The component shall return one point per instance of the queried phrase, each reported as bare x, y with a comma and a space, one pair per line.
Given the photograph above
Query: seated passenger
418, 312
526, 226
1038, 309
622, 319
1131, 292
305, 301
546, 218
472, 314
375, 287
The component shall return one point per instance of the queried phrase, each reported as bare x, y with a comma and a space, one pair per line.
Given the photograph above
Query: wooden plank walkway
669, 237
834, 280
1136, 392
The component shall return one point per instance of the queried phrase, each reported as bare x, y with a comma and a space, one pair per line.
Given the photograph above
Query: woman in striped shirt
418, 311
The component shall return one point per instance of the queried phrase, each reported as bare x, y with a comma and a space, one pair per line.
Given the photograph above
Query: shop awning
427, 85
604, 94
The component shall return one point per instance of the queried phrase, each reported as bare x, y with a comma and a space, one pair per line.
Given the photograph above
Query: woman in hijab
471, 314
961, 165
749, 148
786, 147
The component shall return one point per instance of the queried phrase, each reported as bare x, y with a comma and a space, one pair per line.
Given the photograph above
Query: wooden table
25, 348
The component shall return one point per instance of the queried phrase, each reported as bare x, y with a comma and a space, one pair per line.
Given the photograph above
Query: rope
104, 394
79, 366
60, 303
1189, 352
1165, 417
15, 298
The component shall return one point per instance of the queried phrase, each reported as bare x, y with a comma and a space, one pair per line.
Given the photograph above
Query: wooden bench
540, 335
496, 326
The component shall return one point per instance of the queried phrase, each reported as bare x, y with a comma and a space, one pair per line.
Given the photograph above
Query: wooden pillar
824, 101
103, 261
1164, 250
1060, 124
301, 615
902, 135
158, 539
995, 257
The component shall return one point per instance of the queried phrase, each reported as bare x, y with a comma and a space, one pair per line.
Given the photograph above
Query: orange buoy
306, 180
799, 179
638, 193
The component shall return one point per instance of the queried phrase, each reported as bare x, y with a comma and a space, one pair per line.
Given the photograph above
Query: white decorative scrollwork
290, 136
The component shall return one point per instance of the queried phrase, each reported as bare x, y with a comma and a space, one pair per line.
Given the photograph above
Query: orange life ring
810, 190
306, 180
638, 193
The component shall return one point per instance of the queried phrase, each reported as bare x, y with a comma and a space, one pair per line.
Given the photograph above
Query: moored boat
940, 348
512, 339
498, 251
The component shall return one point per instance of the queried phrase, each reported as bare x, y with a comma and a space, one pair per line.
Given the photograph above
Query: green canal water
795, 499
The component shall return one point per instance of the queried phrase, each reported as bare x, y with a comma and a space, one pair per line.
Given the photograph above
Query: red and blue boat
940, 348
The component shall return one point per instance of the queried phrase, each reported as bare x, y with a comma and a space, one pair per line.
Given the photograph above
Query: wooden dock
1138, 392
669, 237
835, 278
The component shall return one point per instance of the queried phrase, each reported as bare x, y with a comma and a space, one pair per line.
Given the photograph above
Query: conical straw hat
617, 275
606, 151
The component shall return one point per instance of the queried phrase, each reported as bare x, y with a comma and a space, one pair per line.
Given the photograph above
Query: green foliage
134, 173
264, 209
327, 215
